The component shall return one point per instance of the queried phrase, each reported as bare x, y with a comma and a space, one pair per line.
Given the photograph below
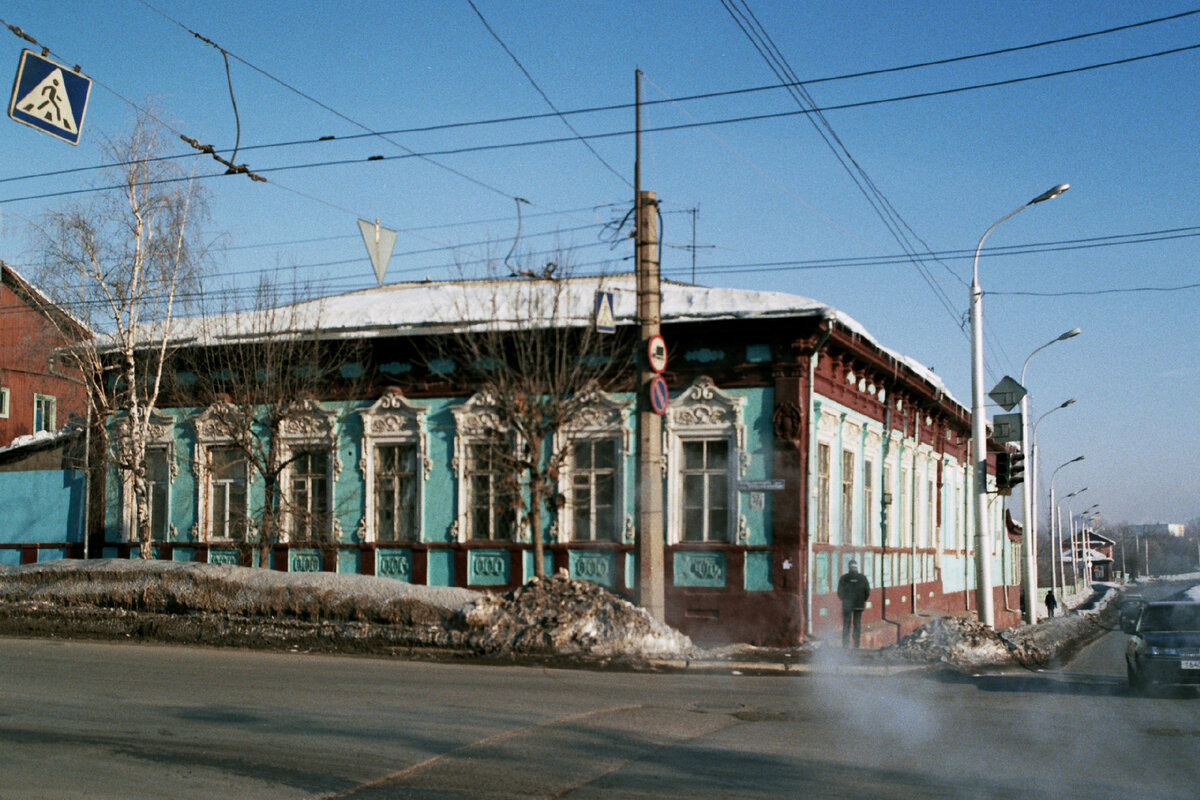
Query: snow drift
237, 606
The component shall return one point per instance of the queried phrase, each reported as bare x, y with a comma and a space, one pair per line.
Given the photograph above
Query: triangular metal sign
380, 242
1007, 393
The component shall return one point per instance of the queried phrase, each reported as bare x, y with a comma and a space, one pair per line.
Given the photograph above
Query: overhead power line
545, 97
660, 128
327, 139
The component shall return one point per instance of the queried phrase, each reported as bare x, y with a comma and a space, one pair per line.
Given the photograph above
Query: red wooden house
34, 395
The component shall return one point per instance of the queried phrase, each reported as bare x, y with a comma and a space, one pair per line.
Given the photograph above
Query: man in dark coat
853, 591
1051, 603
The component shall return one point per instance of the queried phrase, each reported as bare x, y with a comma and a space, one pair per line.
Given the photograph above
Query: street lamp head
1069, 334
1050, 194
1064, 405
1076, 458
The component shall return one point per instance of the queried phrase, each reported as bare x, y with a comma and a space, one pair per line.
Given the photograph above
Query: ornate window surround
210, 433
392, 419
160, 435
474, 421
703, 411
604, 416
309, 426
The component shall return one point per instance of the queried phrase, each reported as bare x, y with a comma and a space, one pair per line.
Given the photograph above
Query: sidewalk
794, 662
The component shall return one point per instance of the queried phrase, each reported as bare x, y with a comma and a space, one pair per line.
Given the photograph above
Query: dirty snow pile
561, 616
965, 644
238, 606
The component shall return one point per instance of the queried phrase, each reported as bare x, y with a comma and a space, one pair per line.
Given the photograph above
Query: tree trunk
535, 526
535, 505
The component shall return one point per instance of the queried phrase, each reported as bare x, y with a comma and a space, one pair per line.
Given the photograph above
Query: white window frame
868, 501
476, 422
52, 406
822, 488
309, 427
210, 435
603, 417
393, 420
704, 412
847, 494
160, 435
209, 486
4, 398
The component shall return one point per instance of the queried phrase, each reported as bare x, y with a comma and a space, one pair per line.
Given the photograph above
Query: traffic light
1010, 470
1016, 469
1003, 469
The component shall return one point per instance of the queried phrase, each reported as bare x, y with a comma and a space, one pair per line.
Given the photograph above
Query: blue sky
775, 209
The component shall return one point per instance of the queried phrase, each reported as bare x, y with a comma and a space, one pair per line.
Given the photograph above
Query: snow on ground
220, 604
965, 644
550, 618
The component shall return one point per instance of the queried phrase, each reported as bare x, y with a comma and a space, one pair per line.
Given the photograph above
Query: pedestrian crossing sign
50, 97
605, 319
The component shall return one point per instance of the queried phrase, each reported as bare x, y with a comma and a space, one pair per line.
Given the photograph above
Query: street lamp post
1056, 525
1028, 541
1084, 518
983, 539
1031, 488
1071, 532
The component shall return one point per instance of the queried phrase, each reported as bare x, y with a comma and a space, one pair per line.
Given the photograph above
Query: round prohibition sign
660, 396
657, 353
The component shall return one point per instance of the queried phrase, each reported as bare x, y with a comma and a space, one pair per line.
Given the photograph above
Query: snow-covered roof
438, 306
1087, 555
38, 440
39, 299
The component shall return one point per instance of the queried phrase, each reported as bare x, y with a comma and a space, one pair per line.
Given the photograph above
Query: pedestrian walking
853, 590
1051, 603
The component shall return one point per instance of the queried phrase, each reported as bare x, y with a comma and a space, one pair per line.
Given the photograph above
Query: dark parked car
1164, 644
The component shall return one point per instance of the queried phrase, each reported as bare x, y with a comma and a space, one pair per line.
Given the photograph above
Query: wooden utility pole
651, 585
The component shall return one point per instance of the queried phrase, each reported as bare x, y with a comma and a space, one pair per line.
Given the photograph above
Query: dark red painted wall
27, 339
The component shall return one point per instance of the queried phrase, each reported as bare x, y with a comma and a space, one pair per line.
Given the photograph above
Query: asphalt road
129, 721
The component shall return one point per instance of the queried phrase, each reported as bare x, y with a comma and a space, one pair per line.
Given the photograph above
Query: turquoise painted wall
439, 509
41, 506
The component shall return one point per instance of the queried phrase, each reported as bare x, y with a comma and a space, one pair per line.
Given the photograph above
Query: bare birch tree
122, 264
529, 346
260, 371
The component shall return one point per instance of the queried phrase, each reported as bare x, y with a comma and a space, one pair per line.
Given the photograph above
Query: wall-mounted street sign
657, 352
1007, 393
380, 242
605, 318
50, 97
769, 485
1006, 428
660, 396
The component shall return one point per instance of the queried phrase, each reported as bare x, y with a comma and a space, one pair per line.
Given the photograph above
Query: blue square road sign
50, 97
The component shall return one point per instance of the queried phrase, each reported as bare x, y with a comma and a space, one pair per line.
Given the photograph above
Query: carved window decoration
308, 447
161, 470
395, 465
592, 478
488, 482
706, 454
222, 477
